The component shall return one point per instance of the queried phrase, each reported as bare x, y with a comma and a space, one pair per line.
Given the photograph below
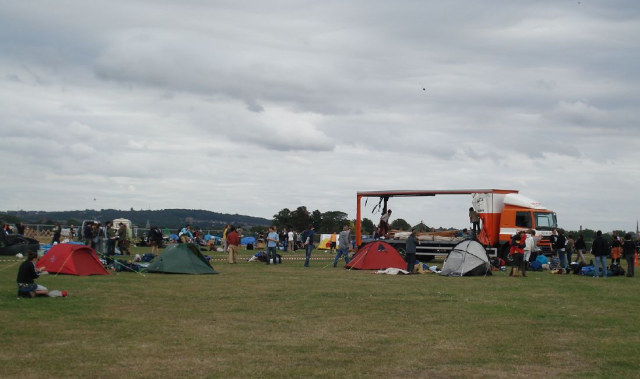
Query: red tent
66, 258
377, 255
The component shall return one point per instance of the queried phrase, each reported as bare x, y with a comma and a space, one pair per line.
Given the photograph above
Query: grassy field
254, 320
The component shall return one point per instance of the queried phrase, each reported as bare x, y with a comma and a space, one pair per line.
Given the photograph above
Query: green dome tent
183, 258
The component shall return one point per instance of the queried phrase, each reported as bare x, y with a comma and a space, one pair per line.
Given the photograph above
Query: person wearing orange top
333, 240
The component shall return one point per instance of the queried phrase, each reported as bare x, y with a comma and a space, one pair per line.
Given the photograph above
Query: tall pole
358, 222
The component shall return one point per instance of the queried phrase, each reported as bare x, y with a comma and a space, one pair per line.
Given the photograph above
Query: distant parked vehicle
13, 244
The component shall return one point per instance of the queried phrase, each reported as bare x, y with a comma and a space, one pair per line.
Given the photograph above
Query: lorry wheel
402, 251
427, 258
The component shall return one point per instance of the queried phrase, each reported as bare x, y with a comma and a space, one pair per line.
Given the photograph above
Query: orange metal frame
386, 195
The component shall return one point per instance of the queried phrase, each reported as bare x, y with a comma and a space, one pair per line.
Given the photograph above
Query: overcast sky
250, 107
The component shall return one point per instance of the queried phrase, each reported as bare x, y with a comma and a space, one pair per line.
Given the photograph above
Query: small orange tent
377, 255
72, 259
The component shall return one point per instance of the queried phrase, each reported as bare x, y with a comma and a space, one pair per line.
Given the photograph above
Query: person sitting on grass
26, 276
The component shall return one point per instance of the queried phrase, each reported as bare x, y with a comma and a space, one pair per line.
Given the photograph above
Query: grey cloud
164, 94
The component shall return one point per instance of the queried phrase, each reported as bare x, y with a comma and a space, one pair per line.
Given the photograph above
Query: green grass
254, 320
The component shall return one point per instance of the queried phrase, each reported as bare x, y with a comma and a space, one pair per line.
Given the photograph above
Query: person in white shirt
290, 240
529, 245
383, 226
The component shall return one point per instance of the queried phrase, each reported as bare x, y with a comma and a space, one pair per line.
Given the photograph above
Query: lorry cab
520, 213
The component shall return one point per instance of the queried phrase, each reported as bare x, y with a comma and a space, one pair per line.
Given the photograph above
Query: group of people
601, 249
106, 238
524, 248
286, 240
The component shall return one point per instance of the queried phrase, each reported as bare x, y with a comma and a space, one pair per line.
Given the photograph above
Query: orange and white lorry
502, 214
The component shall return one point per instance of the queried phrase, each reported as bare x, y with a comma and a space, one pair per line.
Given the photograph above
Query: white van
127, 223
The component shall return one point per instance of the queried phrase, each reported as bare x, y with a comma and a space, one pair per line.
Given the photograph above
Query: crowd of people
525, 249
285, 240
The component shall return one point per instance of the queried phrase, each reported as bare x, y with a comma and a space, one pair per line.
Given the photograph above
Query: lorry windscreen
545, 221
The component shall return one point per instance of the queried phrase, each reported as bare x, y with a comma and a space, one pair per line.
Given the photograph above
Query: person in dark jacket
410, 250
558, 241
110, 235
600, 249
57, 230
629, 253
581, 249
518, 242
87, 233
307, 240
20, 228
27, 273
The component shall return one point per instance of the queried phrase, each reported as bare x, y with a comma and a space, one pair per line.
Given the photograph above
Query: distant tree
367, 226
282, 219
73, 221
588, 234
333, 221
620, 233
11, 219
422, 227
256, 229
316, 219
300, 218
400, 224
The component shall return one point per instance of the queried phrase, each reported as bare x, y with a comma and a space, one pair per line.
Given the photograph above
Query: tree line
170, 218
300, 218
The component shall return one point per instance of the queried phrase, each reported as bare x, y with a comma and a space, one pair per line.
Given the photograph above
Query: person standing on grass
57, 230
233, 242
333, 242
307, 242
20, 228
581, 249
571, 247
95, 241
410, 250
291, 241
123, 240
629, 253
283, 239
343, 245
272, 245
529, 245
518, 242
600, 249
87, 233
224, 238
111, 239
558, 241
616, 249
155, 240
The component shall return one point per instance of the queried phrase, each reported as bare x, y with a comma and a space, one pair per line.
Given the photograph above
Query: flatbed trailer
503, 212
